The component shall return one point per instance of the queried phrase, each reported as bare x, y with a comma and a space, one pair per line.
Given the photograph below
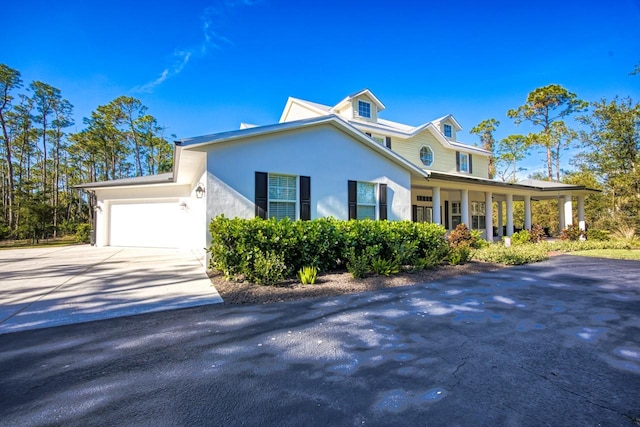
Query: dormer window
447, 131
364, 109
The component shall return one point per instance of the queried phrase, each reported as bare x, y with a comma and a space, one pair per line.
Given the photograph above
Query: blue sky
205, 66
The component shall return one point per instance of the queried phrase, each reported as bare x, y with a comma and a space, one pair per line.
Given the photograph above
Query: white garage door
153, 225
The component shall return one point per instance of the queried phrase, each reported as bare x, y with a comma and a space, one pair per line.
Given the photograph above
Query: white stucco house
343, 161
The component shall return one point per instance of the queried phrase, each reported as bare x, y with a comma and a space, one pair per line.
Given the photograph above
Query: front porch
451, 200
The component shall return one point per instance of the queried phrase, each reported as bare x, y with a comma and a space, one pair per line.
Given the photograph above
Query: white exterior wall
329, 156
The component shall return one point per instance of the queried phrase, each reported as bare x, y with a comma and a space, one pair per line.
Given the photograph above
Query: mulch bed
338, 283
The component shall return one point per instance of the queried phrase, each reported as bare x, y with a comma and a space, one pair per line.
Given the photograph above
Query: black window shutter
305, 198
414, 213
388, 142
446, 214
262, 190
470, 164
382, 201
458, 161
353, 200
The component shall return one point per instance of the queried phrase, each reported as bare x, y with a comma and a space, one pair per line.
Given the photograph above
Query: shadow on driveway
50, 287
555, 343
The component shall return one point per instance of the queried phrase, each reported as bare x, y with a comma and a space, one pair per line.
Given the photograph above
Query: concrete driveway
555, 343
45, 287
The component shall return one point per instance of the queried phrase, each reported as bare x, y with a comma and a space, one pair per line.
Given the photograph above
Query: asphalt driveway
44, 287
555, 343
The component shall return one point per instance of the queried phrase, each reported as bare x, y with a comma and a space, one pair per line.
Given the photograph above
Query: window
456, 214
426, 156
379, 139
464, 162
364, 109
424, 198
282, 196
424, 214
447, 131
366, 200
363, 199
478, 215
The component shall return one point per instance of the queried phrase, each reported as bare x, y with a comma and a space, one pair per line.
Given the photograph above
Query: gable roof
332, 119
451, 119
349, 98
389, 127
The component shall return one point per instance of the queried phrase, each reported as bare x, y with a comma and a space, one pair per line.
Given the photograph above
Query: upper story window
464, 162
282, 196
364, 109
426, 156
447, 131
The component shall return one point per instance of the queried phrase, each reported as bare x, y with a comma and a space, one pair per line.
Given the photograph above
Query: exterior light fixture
199, 191
183, 205
97, 208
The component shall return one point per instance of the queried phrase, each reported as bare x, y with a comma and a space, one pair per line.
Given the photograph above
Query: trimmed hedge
240, 248
534, 252
512, 255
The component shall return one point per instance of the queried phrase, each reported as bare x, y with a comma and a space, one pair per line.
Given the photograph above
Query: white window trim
457, 203
444, 130
433, 155
478, 213
295, 202
466, 155
380, 139
375, 195
370, 109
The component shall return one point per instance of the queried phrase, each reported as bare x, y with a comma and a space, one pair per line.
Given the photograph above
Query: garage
154, 224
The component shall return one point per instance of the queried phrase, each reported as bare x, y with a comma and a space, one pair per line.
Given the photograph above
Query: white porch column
568, 210
561, 223
500, 222
437, 219
581, 223
509, 215
488, 202
464, 202
527, 212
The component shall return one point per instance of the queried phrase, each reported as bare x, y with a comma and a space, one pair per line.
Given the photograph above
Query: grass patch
27, 243
611, 253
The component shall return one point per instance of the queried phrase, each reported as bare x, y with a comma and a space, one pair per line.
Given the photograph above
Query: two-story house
343, 161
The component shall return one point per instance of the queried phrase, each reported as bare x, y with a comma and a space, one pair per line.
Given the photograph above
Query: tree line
606, 137
42, 161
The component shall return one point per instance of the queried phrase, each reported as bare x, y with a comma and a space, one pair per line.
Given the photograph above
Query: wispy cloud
212, 38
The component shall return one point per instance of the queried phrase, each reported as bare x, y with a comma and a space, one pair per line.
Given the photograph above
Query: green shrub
597, 234
269, 269
572, 233
308, 275
459, 255
585, 245
83, 233
358, 264
537, 233
326, 243
513, 255
521, 237
385, 267
406, 252
428, 262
